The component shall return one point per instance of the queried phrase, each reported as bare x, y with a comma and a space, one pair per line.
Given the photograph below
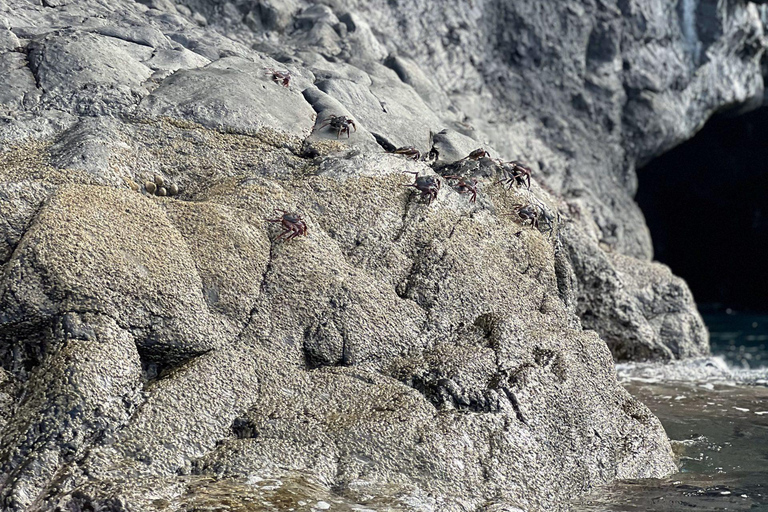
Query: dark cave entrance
706, 204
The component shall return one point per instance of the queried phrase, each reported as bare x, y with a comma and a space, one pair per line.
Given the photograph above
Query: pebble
150, 187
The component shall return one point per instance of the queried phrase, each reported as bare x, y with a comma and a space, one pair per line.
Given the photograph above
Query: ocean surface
715, 410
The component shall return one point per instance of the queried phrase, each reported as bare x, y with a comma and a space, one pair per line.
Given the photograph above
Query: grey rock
18, 89
234, 94
440, 322
86, 74
79, 395
21, 200
96, 273
313, 15
327, 106
410, 73
452, 145
174, 60
640, 309
8, 40
18, 127
146, 36
360, 44
90, 145
323, 69
171, 349
275, 15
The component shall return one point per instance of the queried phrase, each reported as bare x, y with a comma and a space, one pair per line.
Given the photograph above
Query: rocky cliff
165, 346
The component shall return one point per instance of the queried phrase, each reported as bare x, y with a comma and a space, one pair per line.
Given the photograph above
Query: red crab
477, 154
409, 151
292, 223
280, 76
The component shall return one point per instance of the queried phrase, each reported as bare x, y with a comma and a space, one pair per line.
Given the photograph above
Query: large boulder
400, 348
160, 346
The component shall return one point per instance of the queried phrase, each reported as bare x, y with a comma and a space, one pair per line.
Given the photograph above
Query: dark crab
477, 154
515, 172
409, 151
534, 214
465, 187
339, 123
280, 76
292, 223
433, 155
427, 185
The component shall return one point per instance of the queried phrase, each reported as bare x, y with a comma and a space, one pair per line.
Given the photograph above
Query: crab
427, 185
339, 123
280, 76
464, 186
433, 155
477, 154
409, 151
534, 214
292, 223
515, 172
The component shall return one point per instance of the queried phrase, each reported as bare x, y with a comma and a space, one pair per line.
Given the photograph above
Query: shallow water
716, 412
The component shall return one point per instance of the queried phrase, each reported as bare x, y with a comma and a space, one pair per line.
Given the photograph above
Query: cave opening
706, 204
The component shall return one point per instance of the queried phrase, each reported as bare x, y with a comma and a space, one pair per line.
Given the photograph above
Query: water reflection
717, 417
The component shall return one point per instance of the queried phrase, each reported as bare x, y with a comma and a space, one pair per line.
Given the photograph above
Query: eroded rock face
165, 349
416, 351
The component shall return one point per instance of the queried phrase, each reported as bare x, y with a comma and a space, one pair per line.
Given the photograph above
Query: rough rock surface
161, 349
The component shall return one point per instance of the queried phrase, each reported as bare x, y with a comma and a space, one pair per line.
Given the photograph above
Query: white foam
703, 371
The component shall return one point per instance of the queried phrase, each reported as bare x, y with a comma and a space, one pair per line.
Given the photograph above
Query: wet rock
81, 391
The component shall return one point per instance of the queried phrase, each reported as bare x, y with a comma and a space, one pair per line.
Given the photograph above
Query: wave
701, 370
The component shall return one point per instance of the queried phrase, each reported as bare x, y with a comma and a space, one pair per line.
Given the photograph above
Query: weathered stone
640, 309
88, 74
431, 354
90, 146
233, 94
141, 276
17, 84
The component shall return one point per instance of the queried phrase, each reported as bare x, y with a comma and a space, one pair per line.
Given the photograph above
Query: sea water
715, 411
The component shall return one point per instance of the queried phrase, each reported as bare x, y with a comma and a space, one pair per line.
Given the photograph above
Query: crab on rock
339, 123
292, 223
280, 76
535, 215
427, 185
477, 154
515, 172
527, 213
465, 187
408, 151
